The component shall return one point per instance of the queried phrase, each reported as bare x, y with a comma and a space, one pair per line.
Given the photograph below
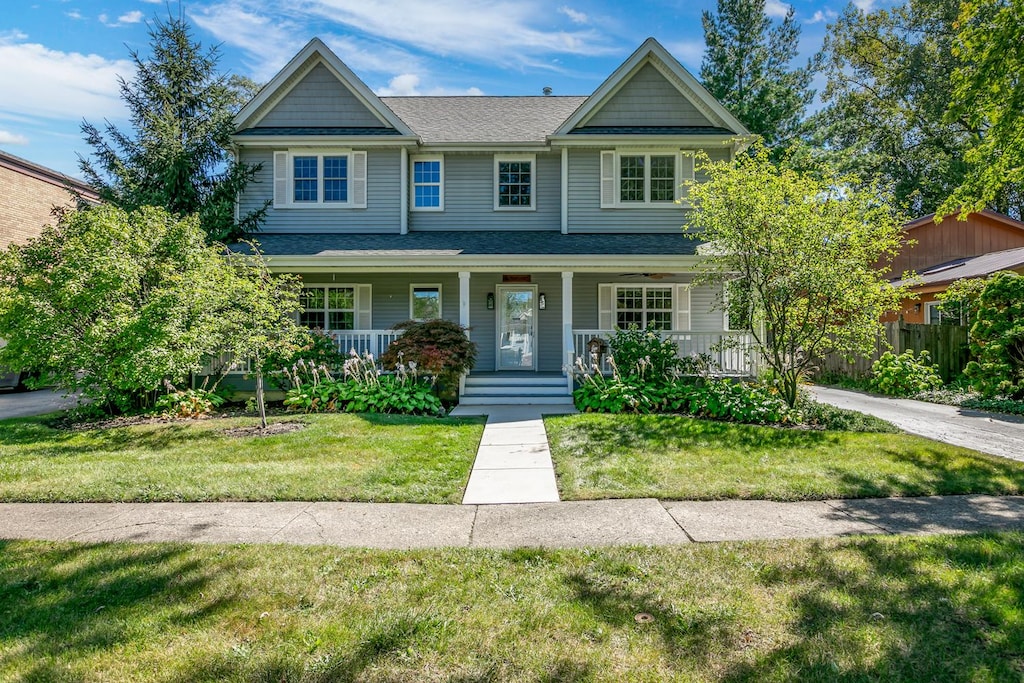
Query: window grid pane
426, 178
304, 172
514, 183
663, 178
645, 307
631, 178
428, 196
335, 179
330, 308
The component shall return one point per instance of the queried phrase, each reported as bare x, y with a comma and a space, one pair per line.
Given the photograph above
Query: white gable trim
315, 52
652, 52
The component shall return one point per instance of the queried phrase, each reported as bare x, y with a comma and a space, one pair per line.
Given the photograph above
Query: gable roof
315, 52
654, 54
993, 215
483, 119
976, 266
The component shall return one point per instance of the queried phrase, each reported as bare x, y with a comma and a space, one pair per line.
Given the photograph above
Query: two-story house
538, 222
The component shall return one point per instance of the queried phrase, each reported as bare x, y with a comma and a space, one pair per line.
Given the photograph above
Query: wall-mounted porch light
542, 301
490, 301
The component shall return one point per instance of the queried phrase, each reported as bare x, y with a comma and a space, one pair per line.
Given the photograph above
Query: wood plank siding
951, 239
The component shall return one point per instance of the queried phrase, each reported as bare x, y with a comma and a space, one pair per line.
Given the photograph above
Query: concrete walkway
513, 463
551, 525
983, 431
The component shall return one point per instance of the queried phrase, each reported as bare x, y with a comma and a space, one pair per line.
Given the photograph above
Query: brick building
28, 193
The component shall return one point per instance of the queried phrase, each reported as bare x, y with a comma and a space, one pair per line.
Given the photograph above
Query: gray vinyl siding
648, 99
469, 197
586, 214
320, 99
390, 293
383, 212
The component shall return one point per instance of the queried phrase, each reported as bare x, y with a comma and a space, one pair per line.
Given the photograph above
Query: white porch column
567, 341
464, 315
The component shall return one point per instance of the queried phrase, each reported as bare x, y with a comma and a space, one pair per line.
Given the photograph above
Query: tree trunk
261, 404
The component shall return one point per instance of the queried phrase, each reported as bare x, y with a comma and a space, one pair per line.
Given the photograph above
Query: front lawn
675, 457
945, 608
383, 458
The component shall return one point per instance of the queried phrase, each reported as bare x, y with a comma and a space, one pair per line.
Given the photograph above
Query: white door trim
499, 291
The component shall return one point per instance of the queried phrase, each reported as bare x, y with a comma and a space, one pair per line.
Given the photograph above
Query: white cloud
776, 9
9, 138
864, 5
822, 15
133, 17
575, 16
126, 19
59, 85
403, 84
689, 52
73, 14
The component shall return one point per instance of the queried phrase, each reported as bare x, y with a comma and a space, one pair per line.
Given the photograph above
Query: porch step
518, 390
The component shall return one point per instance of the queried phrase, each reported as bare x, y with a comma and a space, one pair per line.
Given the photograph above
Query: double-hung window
328, 308
644, 178
320, 179
661, 307
515, 178
428, 184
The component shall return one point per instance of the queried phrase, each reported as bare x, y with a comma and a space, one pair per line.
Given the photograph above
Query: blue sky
60, 59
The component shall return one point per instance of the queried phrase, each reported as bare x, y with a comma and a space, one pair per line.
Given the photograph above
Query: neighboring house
538, 222
951, 250
28, 194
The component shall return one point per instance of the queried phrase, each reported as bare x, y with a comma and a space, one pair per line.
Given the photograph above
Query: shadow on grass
73, 600
40, 440
606, 434
382, 420
934, 609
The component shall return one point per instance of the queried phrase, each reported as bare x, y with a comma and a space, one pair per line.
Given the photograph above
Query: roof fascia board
987, 213
274, 91
700, 141
663, 60
497, 147
324, 140
483, 263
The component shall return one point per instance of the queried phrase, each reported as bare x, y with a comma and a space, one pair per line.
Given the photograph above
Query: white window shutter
608, 180
280, 179
364, 307
682, 306
686, 172
606, 307
358, 198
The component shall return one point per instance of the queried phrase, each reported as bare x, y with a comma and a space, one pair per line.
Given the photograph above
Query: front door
517, 327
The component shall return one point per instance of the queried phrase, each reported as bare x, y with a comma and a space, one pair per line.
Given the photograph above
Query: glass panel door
517, 327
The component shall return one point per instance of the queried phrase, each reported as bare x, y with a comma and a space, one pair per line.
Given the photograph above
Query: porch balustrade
731, 353
375, 342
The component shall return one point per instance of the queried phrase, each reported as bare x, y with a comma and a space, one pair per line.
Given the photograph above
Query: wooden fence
947, 345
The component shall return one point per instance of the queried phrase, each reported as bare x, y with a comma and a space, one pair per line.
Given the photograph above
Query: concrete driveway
23, 404
987, 432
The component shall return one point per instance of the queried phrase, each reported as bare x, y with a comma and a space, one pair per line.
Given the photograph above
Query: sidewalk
550, 525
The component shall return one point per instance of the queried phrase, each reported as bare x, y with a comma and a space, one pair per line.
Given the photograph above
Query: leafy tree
988, 95
959, 302
177, 154
438, 347
997, 338
889, 87
799, 253
118, 304
258, 316
746, 67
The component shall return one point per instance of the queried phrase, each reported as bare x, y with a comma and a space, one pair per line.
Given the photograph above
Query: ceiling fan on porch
648, 276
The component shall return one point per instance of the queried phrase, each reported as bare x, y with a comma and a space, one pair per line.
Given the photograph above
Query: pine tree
747, 68
177, 155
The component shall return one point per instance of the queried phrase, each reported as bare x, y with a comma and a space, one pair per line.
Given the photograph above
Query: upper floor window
320, 178
514, 182
644, 178
428, 184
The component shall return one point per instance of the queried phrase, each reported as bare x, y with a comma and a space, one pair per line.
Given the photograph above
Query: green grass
887, 609
674, 457
335, 457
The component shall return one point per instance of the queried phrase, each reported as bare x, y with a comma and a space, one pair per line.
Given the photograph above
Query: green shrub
996, 405
997, 338
723, 399
832, 418
905, 374
317, 355
190, 402
645, 353
435, 347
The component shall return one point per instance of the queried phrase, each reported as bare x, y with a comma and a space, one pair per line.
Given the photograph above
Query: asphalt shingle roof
479, 242
976, 266
652, 130
309, 130
476, 119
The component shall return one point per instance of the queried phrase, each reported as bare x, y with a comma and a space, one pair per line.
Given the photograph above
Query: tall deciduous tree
890, 82
177, 154
799, 254
747, 67
988, 95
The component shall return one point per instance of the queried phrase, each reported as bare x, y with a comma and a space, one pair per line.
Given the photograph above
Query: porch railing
731, 353
364, 341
